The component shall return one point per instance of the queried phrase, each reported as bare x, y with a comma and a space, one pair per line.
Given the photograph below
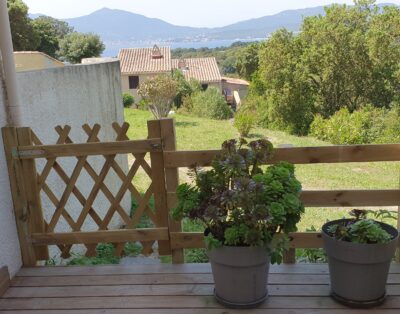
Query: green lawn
198, 134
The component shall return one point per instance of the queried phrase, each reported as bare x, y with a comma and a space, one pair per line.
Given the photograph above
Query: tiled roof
237, 81
139, 60
202, 69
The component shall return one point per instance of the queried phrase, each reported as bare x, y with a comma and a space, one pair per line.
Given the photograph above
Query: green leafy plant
211, 104
127, 100
240, 203
245, 120
359, 230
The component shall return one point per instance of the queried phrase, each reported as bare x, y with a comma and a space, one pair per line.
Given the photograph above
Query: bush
364, 126
186, 106
245, 120
211, 104
127, 100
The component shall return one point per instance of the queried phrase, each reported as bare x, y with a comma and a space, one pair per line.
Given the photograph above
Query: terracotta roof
140, 60
201, 69
235, 81
37, 53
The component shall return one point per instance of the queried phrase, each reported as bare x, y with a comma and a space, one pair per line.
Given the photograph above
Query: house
35, 60
204, 70
235, 90
140, 64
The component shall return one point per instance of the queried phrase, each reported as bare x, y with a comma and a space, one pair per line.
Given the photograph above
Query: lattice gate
93, 162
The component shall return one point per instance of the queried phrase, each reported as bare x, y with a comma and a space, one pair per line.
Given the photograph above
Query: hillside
119, 29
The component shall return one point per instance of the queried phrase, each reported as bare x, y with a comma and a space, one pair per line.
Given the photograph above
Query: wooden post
4, 280
168, 137
397, 257
289, 257
32, 193
10, 141
158, 181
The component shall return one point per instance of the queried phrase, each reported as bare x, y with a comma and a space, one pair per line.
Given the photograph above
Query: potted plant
247, 213
359, 253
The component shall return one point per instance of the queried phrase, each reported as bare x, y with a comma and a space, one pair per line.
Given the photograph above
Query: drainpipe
13, 108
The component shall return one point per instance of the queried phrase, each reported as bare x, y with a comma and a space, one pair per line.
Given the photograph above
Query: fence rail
36, 232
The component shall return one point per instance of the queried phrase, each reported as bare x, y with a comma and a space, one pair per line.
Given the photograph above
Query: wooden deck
171, 289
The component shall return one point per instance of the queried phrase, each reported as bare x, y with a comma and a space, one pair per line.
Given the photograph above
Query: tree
159, 92
347, 58
23, 33
51, 31
76, 46
248, 61
184, 88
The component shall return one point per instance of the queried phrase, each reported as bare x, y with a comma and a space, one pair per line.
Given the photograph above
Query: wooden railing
36, 232
322, 198
38, 226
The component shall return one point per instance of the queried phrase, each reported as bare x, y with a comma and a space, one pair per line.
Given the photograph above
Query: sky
200, 13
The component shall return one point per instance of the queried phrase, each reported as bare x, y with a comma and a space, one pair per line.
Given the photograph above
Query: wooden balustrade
23, 148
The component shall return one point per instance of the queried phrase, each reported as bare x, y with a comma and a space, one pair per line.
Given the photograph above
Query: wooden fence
23, 147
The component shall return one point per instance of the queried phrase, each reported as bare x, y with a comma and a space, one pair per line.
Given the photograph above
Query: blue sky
209, 13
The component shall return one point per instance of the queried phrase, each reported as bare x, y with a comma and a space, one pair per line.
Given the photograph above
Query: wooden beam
4, 280
159, 186
87, 149
32, 193
196, 240
349, 198
16, 177
340, 198
168, 135
94, 237
297, 155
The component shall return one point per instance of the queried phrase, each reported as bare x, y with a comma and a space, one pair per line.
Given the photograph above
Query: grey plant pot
358, 272
240, 275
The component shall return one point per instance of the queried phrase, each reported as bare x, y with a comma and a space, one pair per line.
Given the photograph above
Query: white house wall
9, 246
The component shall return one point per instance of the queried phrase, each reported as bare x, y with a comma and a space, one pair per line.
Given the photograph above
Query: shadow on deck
171, 289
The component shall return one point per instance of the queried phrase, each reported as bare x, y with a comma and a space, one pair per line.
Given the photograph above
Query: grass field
197, 134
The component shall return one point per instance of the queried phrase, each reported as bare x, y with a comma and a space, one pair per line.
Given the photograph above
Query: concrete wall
9, 245
34, 60
75, 95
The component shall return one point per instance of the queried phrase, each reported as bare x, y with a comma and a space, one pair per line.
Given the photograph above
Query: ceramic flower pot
240, 275
358, 272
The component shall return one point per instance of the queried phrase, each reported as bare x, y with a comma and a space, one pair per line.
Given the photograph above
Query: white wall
9, 245
75, 95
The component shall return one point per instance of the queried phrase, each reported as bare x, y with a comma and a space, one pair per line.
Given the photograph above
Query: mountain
113, 25
119, 29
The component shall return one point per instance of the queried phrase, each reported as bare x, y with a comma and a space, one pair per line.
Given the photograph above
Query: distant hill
114, 25
119, 29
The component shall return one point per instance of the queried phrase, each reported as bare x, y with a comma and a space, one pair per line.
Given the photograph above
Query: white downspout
10, 76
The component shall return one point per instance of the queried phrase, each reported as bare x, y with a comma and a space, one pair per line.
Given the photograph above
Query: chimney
156, 53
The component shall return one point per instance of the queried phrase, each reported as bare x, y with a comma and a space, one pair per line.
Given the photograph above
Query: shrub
244, 121
159, 92
366, 125
211, 104
127, 100
143, 105
187, 105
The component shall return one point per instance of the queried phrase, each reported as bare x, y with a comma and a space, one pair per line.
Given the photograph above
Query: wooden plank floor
171, 289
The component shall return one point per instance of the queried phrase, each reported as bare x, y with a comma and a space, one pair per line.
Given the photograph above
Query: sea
112, 48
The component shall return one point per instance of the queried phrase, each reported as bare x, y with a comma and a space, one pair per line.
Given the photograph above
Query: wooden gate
29, 186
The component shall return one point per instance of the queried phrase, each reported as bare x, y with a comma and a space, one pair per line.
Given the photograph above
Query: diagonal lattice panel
87, 198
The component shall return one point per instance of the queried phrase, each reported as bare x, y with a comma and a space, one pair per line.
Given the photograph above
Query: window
133, 82
204, 86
